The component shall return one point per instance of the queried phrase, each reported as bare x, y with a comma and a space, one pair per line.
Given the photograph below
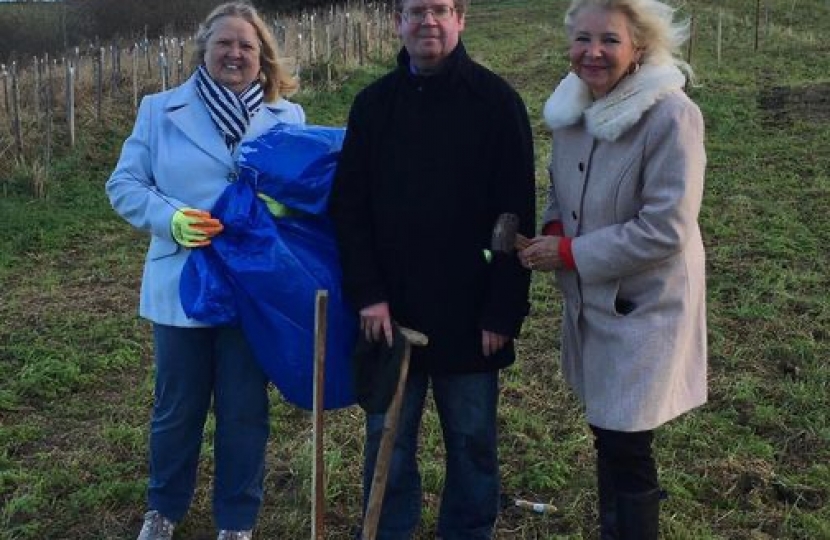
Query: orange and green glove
194, 228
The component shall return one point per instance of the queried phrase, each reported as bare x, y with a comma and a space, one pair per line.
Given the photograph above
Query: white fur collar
610, 116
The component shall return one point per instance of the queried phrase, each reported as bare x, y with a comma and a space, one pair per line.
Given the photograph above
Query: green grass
76, 362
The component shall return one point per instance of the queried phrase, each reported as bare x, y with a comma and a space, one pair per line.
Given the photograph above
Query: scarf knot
231, 113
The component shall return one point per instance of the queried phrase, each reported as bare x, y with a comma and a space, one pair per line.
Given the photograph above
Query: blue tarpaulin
263, 273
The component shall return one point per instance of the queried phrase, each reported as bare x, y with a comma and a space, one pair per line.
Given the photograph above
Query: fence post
691, 40
50, 76
5, 74
18, 137
361, 43
181, 61
48, 106
99, 83
147, 57
136, 50
36, 85
70, 101
757, 22
344, 32
381, 31
719, 45
298, 54
115, 54
313, 39
328, 54
163, 70
312, 48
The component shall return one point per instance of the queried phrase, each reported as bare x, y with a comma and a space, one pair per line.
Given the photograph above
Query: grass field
75, 361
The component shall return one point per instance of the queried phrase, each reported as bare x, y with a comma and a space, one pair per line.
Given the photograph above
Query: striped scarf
231, 113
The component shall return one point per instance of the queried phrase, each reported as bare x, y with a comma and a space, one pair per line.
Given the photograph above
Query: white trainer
156, 527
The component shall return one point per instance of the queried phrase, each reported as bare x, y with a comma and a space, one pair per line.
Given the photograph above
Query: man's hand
375, 321
491, 343
194, 228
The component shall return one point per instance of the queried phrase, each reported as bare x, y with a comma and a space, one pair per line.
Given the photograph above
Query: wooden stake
720, 35
36, 88
757, 21
135, 76
6, 89
99, 83
47, 105
318, 486
70, 101
18, 136
691, 41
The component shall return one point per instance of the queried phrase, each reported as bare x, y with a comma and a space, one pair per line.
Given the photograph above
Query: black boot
638, 515
607, 502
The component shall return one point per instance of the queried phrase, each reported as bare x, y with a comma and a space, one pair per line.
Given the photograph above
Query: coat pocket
161, 248
623, 306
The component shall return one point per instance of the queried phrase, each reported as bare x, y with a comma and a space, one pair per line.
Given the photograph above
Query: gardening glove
276, 208
194, 228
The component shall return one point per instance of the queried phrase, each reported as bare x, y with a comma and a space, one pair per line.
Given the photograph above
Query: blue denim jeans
466, 406
193, 366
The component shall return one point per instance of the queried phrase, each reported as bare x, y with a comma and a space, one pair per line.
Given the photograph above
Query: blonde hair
274, 77
652, 28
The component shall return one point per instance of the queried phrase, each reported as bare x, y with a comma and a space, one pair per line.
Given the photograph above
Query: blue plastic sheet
263, 273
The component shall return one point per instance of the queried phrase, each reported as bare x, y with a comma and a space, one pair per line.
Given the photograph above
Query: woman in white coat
621, 233
175, 165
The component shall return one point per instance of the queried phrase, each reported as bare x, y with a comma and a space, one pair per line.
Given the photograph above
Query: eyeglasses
419, 15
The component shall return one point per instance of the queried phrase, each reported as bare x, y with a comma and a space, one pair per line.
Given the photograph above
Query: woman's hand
542, 254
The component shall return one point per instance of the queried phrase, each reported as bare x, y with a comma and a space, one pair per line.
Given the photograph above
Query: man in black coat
435, 151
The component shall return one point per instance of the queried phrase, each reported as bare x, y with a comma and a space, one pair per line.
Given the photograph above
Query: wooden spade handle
387, 440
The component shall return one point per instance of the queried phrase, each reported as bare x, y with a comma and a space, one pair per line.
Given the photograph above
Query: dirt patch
783, 104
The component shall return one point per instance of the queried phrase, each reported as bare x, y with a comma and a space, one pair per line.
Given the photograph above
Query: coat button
581, 167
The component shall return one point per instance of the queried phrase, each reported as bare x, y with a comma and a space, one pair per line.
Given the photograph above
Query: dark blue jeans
193, 366
466, 406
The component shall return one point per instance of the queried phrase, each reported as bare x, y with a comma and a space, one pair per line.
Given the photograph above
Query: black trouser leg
639, 515
607, 501
627, 484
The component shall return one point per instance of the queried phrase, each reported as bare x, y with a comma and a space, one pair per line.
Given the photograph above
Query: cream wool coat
627, 182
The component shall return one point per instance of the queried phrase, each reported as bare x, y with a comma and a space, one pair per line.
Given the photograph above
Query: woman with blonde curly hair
179, 160
621, 234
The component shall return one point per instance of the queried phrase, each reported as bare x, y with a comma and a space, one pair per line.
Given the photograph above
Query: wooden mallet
506, 237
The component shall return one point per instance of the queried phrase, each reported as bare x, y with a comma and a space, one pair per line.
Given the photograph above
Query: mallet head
504, 233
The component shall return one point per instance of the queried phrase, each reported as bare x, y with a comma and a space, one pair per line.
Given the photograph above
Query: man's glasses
419, 15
